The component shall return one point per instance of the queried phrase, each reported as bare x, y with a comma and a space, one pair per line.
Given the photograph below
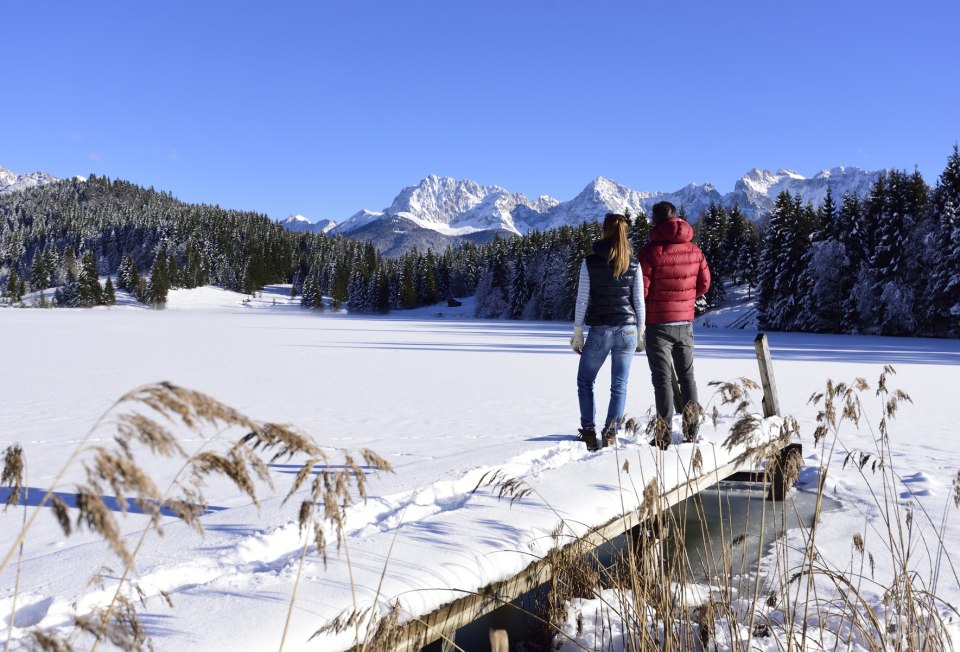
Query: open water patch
724, 531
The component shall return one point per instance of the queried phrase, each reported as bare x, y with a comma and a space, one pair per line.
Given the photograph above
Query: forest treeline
885, 263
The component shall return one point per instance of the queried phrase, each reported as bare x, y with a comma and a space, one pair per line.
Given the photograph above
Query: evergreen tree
941, 296
124, 281
820, 285
383, 291
69, 274
173, 273
51, 263
109, 295
68, 295
159, 284
408, 292
90, 293
639, 231
736, 239
15, 287
357, 287
893, 313
780, 264
430, 289
311, 296
711, 233
519, 289
339, 286
193, 275
849, 234
39, 274
134, 282
142, 291
948, 184
945, 283
748, 260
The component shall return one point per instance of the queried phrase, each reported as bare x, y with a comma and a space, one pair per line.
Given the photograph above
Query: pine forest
886, 263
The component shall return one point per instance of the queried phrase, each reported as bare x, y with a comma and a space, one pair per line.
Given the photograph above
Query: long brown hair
621, 253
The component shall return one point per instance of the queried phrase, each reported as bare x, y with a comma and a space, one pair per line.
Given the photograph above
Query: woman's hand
641, 339
576, 342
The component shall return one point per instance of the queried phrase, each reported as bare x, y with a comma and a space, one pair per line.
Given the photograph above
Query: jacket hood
674, 231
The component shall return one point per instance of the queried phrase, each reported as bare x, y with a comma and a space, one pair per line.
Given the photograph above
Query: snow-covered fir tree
711, 235
519, 288
781, 262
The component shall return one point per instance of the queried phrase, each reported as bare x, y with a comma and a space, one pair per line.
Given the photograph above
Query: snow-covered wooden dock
438, 588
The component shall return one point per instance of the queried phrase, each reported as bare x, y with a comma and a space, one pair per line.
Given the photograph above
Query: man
675, 275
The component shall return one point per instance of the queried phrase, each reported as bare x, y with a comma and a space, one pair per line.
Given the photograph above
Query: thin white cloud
174, 154
94, 156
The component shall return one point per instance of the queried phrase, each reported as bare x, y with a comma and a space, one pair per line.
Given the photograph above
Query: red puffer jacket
675, 272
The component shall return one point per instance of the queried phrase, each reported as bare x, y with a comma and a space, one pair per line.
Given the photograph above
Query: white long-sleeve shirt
583, 297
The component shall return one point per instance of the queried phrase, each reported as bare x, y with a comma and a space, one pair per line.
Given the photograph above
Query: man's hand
576, 342
641, 338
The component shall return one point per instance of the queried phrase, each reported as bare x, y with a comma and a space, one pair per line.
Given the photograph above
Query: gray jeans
671, 348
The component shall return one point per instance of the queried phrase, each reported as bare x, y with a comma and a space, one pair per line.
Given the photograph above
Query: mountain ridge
455, 207
12, 182
461, 208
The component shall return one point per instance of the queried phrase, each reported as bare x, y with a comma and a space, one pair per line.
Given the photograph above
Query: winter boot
690, 421
589, 437
662, 438
609, 437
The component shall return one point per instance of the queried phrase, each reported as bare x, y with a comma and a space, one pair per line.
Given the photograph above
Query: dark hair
663, 211
621, 253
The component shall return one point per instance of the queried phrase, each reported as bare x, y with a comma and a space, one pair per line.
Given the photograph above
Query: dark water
734, 517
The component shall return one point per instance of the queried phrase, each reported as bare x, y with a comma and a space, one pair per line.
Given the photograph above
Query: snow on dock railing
436, 593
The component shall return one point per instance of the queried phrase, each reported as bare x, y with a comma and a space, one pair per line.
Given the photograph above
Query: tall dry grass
797, 597
145, 424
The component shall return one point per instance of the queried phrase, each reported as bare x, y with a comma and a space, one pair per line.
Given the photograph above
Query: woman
610, 302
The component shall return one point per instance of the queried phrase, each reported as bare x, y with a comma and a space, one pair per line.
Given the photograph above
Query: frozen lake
442, 398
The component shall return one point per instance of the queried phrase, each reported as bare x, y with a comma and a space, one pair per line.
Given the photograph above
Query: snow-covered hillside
12, 182
301, 223
453, 207
757, 190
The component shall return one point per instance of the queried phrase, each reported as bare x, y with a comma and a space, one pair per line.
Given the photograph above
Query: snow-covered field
444, 398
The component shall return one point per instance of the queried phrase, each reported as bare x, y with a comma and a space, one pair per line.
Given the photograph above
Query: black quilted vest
610, 297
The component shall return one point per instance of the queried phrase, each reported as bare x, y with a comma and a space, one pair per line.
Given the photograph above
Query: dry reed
144, 423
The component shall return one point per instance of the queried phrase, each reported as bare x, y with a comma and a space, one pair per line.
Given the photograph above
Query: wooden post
787, 468
771, 404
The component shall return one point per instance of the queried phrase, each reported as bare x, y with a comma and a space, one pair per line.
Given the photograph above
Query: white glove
641, 339
576, 342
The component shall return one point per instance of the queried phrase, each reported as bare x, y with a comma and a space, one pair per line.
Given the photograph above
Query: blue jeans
620, 343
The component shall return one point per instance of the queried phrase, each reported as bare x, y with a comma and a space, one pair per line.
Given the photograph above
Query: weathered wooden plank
771, 403
445, 620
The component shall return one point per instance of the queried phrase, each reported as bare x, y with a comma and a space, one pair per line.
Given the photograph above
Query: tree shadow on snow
31, 497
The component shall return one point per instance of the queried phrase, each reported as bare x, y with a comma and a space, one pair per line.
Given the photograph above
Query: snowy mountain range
301, 223
458, 208
441, 210
13, 182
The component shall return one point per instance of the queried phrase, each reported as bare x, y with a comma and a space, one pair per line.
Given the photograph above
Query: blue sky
324, 108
